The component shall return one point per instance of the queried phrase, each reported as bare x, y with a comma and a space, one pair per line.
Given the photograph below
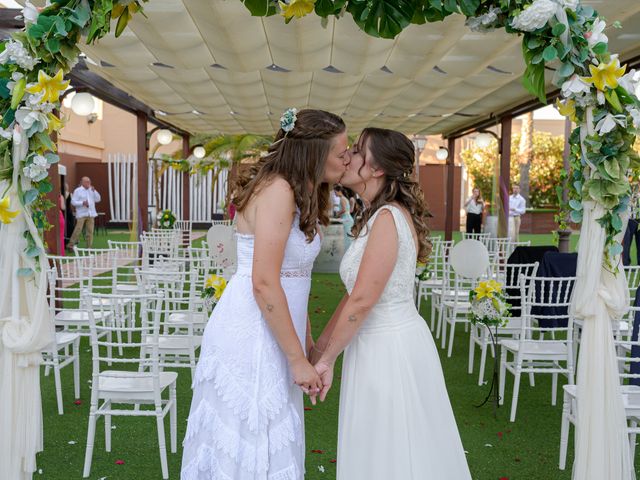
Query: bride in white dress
395, 419
246, 419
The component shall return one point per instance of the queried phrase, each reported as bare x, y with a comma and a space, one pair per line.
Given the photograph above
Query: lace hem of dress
283, 274
205, 419
257, 412
206, 462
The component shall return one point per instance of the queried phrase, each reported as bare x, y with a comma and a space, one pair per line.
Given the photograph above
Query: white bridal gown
395, 420
246, 419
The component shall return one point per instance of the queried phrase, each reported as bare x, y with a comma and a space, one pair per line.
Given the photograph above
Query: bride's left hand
325, 370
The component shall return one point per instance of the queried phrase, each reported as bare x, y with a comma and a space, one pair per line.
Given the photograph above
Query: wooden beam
186, 205
451, 171
504, 179
143, 172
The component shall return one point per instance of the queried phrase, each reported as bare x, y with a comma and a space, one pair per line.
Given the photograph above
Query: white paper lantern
442, 153
469, 258
199, 152
82, 104
164, 136
483, 140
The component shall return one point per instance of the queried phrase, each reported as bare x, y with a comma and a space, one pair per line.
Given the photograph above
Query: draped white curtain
25, 330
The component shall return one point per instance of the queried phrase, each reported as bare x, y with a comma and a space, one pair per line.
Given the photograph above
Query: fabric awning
212, 67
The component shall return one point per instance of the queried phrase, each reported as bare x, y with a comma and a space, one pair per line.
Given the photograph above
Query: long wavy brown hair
299, 157
394, 154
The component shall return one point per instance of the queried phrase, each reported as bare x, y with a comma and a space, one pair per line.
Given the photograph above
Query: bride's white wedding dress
246, 420
395, 419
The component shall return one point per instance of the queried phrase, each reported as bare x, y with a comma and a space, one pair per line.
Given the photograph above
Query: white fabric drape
600, 296
25, 330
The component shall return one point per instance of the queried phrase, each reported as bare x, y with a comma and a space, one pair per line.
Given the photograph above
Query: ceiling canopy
209, 66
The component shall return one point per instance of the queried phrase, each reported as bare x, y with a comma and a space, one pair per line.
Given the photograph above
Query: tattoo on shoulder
352, 318
269, 307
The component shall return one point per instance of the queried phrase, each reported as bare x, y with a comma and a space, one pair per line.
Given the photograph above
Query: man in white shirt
517, 207
84, 200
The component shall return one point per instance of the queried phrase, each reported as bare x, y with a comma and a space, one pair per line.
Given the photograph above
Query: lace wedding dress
246, 420
395, 419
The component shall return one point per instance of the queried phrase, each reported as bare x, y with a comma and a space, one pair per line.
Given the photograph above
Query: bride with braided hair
395, 419
246, 420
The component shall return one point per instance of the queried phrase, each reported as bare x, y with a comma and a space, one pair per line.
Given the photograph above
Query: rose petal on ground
78, 402
119, 462
317, 451
333, 460
307, 409
488, 445
72, 442
500, 435
321, 468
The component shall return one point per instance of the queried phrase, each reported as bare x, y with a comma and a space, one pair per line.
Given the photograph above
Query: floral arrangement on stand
33, 63
166, 220
213, 289
598, 94
490, 308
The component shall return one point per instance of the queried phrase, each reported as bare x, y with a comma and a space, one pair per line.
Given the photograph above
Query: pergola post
504, 178
565, 235
448, 224
186, 206
143, 171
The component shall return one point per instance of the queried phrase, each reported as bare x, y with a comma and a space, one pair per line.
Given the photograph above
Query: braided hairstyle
299, 157
394, 154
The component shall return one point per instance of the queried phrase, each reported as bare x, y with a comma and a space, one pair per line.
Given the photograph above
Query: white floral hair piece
288, 120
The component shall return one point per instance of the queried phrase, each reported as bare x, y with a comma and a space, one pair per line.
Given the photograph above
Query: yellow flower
483, 291
51, 86
218, 284
55, 123
567, 109
297, 8
6, 215
495, 286
606, 74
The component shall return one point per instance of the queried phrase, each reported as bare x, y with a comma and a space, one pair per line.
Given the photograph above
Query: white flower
32, 121
630, 81
41, 161
6, 133
635, 115
571, 4
574, 86
600, 97
609, 122
483, 23
535, 16
36, 172
584, 100
30, 13
596, 35
15, 52
15, 76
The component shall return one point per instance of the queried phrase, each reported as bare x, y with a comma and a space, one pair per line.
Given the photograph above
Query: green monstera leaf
382, 18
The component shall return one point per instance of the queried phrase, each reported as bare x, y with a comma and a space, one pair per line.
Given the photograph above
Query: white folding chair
127, 256
480, 334
182, 318
551, 297
121, 384
65, 350
630, 386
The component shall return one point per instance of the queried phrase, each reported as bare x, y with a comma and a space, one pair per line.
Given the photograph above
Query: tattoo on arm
352, 318
269, 307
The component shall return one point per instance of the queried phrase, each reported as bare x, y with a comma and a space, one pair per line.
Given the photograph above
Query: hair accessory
288, 120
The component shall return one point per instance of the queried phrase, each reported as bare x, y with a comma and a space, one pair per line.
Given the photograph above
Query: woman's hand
306, 377
314, 354
325, 370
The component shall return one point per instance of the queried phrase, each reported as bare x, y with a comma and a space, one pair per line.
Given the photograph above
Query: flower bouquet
166, 220
423, 272
213, 289
488, 304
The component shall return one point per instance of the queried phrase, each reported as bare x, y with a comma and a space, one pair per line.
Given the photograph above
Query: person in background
474, 207
344, 214
61, 219
69, 218
335, 204
517, 207
84, 198
633, 232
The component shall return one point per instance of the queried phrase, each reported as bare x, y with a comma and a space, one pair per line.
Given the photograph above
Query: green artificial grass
497, 449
